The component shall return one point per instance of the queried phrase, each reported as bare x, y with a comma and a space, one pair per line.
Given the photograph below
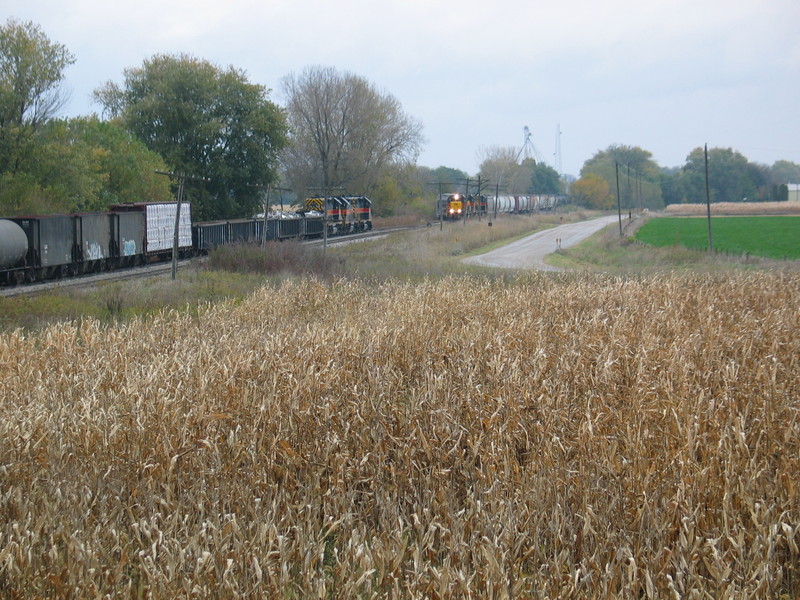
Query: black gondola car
52, 245
93, 248
127, 238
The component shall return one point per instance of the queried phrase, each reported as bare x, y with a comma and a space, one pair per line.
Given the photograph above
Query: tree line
335, 134
181, 114
633, 175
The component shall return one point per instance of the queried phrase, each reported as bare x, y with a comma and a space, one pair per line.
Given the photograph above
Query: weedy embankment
552, 437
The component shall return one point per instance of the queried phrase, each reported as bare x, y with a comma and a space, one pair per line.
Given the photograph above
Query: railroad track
164, 268
38, 287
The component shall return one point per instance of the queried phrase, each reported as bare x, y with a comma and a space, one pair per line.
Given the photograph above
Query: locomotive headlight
452, 211
459, 211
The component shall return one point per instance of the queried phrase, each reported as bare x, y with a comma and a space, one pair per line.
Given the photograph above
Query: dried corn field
736, 208
551, 437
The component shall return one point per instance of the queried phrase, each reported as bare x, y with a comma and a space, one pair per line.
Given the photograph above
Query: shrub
289, 257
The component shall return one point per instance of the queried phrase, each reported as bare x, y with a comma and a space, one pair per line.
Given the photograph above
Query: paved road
529, 252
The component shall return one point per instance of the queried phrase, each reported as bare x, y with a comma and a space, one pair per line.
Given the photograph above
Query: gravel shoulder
529, 252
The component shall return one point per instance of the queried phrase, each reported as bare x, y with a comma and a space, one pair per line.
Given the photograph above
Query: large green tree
31, 71
638, 175
544, 179
780, 175
450, 178
671, 182
204, 121
731, 177
128, 167
345, 134
82, 164
783, 172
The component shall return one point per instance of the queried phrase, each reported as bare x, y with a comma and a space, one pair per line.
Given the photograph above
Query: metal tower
557, 155
528, 150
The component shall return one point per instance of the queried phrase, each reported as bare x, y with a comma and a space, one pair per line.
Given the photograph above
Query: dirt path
529, 252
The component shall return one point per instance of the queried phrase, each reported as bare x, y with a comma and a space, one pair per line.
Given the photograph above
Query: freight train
43, 247
452, 207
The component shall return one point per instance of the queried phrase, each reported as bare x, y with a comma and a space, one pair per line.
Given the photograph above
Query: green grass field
771, 237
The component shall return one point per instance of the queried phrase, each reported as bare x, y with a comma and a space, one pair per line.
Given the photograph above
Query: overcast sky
665, 75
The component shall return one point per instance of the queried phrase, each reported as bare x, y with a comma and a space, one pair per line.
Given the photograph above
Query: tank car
13, 249
52, 247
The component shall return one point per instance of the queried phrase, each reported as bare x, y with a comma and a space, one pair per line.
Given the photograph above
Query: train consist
344, 214
42, 247
452, 207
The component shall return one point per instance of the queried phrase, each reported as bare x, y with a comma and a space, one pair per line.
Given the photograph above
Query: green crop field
771, 237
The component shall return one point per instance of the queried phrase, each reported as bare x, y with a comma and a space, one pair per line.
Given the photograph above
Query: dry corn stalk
588, 436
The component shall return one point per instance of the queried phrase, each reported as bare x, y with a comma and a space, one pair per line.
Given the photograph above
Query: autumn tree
592, 191
344, 133
204, 121
499, 167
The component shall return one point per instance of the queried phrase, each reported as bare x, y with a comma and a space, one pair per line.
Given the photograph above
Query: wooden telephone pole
181, 181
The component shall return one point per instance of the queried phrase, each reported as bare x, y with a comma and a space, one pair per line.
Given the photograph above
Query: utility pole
708, 203
326, 195
482, 183
269, 189
439, 207
639, 188
496, 196
619, 205
181, 181
466, 203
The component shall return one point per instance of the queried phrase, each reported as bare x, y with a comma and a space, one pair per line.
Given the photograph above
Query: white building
794, 192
